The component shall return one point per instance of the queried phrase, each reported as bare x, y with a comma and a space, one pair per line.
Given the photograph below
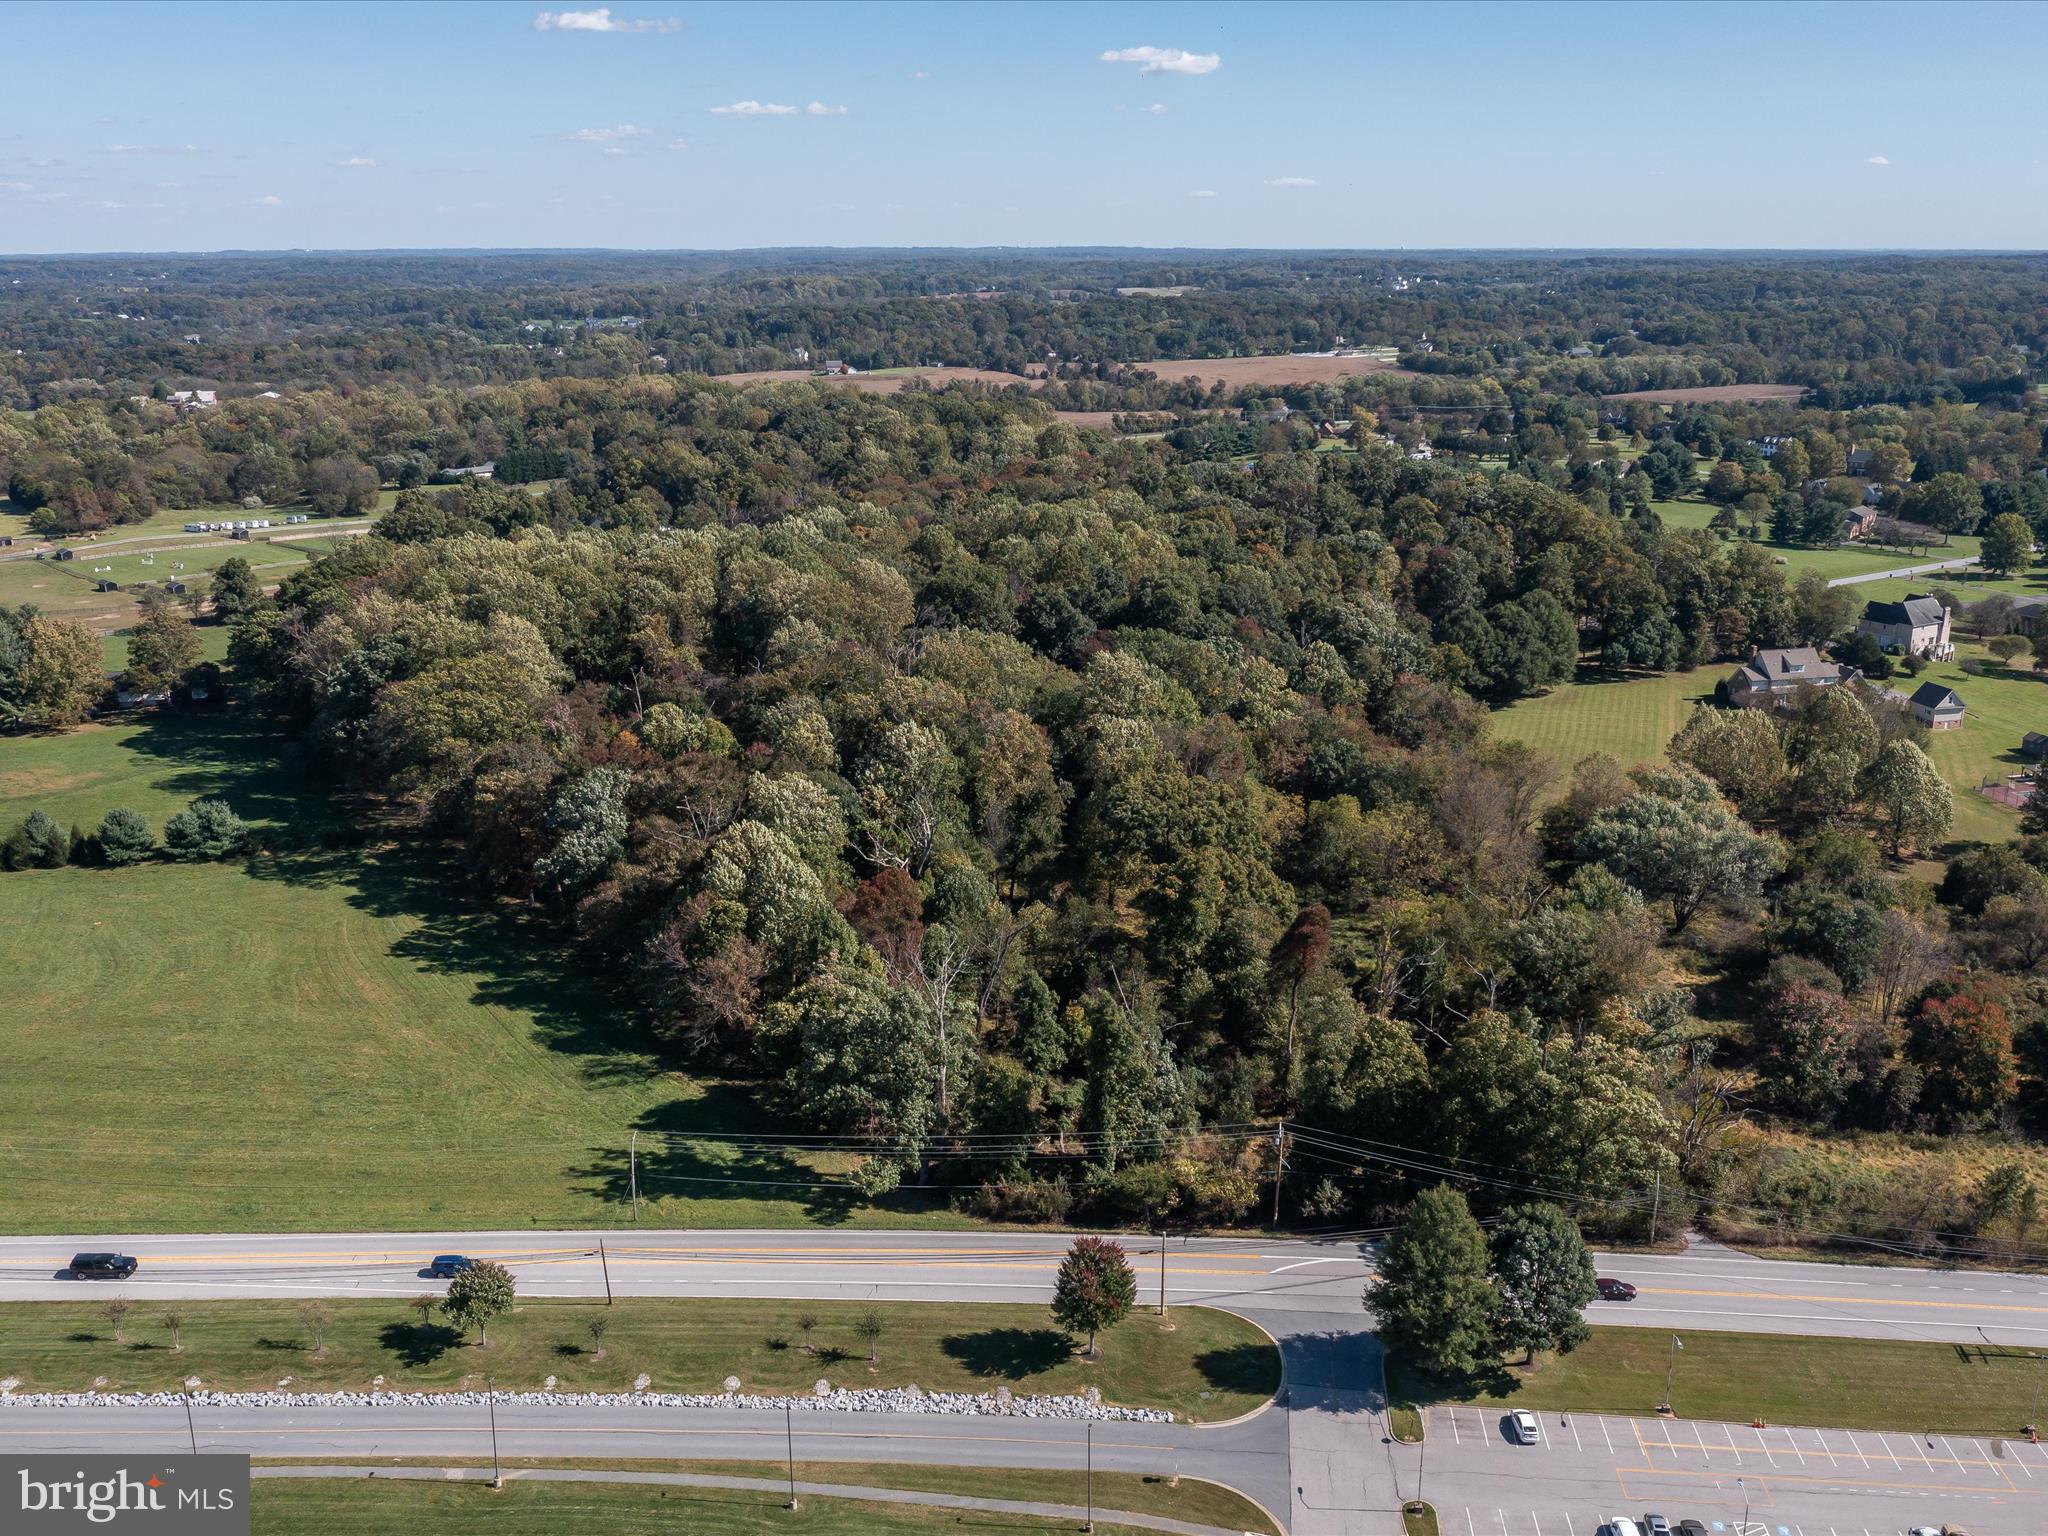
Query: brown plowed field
1714, 392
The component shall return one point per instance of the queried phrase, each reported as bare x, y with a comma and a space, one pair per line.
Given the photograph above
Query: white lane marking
1537, 1523
1607, 1437
1502, 1516
1957, 1456
1793, 1441
1456, 1438
1764, 1446
1702, 1439
2021, 1462
1471, 1529
1304, 1264
1885, 1445
1857, 1449
1729, 1431
1915, 1443
1821, 1440
1575, 1441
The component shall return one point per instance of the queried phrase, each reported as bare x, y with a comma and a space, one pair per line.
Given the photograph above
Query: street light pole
1671, 1370
190, 1430
1090, 1526
491, 1397
1744, 1486
789, 1448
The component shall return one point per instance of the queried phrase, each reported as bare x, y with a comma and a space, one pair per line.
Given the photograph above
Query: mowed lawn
1633, 718
359, 1507
1842, 560
1828, 1383
1629, 717
1206, 1366
324, 1036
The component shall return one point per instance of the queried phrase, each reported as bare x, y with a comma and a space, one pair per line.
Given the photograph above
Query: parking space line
1764, 1446
1607, 1437
1955, 1456
1502, 1516
1575, 1434
1729, 1431
1821, 1440
1470, 1528
1702, 1439
1857, 1449
1456, 1438
1923, 1453
1886, 1446
2020, 1461
1537, 1523
1793, 1441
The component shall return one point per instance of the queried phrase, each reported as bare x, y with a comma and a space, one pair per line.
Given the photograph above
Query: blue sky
198, 127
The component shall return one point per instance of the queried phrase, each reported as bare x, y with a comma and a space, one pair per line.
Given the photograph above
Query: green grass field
324, 1036
1781, 1378
1208, 1366
1629, 717
360, 1507
1634, 718
1843, 560
166, 520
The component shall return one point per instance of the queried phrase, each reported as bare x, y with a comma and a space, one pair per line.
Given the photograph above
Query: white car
1525, 1428
1620, 1525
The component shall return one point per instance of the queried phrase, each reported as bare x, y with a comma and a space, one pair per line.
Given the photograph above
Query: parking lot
1794, 1482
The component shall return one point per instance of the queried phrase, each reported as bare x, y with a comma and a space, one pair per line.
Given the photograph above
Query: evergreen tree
1434, 1296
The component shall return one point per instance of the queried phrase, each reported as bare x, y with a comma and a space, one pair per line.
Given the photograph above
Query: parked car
447, 1265
1615, 1290
1523, 1426
1692, 1528
1656, 1525
101, 1266
1619, 1525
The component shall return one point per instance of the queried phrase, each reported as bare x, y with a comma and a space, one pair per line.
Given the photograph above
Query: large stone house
1919, 626
1770, 678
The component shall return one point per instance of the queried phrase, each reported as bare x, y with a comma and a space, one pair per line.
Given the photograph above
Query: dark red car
1615, 1290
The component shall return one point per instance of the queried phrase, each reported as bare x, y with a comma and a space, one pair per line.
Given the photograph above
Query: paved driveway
1798, 1482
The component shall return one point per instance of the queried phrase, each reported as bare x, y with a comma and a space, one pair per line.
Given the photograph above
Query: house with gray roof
1936, 706
1771, 678
1917, 626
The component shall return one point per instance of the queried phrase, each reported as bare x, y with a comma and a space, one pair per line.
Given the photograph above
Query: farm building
1770, 678
65, 554
1918, 626
2034, 744
104, 585
1936, 706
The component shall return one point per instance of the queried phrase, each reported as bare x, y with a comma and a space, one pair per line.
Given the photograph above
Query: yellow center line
1842, 1301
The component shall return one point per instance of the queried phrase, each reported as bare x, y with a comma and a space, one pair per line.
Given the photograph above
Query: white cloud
1292, 181
1878, 160
752, 108
607, 135
358, 162
152, 149
17, 186
1165, 61
1204, 192
678, 144
600, 20
1158, 109
819, 109
270, 200
613, 149
920, 74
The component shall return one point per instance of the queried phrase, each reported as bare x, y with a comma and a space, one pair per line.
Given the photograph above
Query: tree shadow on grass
1248, 1367
418, 1344
1010, 1353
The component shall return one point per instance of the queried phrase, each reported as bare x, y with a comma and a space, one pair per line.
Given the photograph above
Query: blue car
448, 1265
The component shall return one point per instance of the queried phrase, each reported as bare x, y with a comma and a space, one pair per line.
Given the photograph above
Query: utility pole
1090, 1526
789, 1447
1279, 1164
606, 1265
491, 1397
633, 1172
1743, 1529
1162, 1269
1656, 1202
1676, 1345
190, 1430
2034, 1415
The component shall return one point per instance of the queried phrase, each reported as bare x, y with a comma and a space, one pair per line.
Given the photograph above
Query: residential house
1918, 626
1859, 461
1770, 678
1873, 493
1936, 706
836, 367
1858, 523
194, 399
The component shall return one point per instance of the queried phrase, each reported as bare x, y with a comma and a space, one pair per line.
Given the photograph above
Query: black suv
446, 1265
101, 1266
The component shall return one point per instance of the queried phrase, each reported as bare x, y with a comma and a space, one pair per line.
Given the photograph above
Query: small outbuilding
1936, 706
2034, 744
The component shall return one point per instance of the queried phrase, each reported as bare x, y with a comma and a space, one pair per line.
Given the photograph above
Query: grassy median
1780, 1378
358, 1507
1209, 1365
1191, 1499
